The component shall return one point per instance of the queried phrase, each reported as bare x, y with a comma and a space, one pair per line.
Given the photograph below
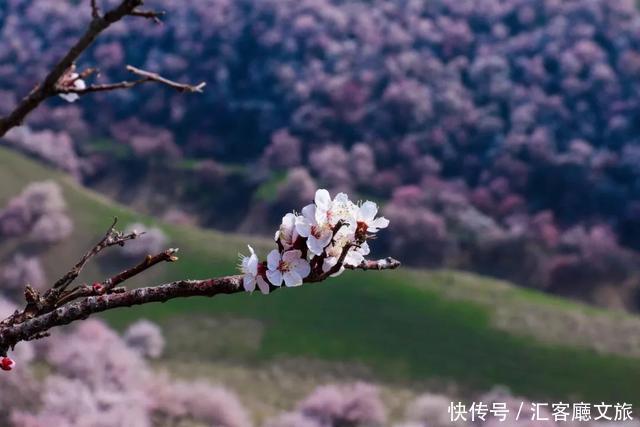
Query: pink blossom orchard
328, 236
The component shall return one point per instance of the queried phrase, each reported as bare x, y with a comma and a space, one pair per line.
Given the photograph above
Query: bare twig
88, 72
57, 294
49, 86
167, 256
110, 284
158, 78
381, 264
111, 238
147, 77
149, 14
95, 9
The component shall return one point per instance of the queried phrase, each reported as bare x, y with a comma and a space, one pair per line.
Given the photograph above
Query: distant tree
146, 338
20, 271
38, 213
337, 405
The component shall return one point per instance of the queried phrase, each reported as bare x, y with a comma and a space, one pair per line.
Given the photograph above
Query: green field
405, 327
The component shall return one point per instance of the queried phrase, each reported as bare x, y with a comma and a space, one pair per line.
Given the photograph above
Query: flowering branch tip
328, 237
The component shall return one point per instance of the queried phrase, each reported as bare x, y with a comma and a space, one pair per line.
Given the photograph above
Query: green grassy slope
405, 326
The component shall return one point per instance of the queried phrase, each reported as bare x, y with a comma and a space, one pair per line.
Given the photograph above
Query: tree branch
109, 285
57, 294
381, 264
111, 238
85, 307
95, 9
147, 77
159, 79
149, 14
49, 86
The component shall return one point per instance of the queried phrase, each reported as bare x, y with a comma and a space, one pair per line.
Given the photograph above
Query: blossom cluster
316, 243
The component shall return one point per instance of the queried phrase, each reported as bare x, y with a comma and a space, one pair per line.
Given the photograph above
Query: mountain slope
404, 326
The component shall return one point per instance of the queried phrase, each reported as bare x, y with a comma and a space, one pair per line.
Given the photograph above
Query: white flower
77, 84
332, 211
323, 202
288, 266
366, 219
333, 253
342, 209
318, 234
287, 233
250, 267
354, 257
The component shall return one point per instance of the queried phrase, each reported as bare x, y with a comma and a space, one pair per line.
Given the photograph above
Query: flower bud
98, 288
7, 364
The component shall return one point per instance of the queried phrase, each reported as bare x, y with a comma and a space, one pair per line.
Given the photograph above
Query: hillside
405, 327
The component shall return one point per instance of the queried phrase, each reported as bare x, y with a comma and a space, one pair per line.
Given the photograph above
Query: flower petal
309, 212
252, 265
323, 199
275, 277
263, 285
339, 272
328, 263
249, 282
354, 258
292, 278
273, 259
315, 245
303, 223
301, 267
303, 228
367, 211
379, 223
364, 249
341, 198
69, 97
291, 256
322, 216
325, 238
289, 220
